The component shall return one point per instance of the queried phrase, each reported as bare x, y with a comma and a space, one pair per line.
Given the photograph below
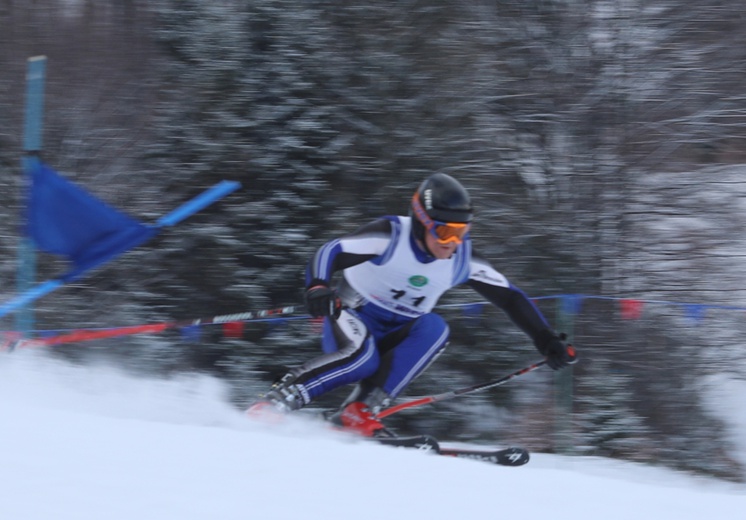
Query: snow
723, 394
81, 442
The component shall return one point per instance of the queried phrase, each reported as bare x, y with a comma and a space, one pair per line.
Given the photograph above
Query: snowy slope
91, 443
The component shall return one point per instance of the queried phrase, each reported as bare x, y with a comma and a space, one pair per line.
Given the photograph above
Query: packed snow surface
94, 443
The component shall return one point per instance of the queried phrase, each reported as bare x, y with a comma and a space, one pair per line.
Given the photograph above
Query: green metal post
32, 139
566, 310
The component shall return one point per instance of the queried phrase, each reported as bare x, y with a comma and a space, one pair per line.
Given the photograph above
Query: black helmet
443, 199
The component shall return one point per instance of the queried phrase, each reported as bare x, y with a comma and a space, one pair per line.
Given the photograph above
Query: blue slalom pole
29, 296
32, 140
198, 203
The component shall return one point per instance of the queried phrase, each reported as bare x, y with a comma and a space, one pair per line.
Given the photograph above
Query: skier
379, 329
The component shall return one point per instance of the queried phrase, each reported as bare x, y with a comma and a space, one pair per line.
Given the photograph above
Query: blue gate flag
64, 219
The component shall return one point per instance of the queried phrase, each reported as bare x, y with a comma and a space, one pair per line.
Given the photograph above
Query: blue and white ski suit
387, 334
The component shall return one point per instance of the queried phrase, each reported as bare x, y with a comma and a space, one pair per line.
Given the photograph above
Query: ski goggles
442, 232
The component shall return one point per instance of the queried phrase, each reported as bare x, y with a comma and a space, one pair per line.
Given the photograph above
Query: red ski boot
356, 417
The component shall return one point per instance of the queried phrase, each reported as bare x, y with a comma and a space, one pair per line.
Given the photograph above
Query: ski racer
380, 330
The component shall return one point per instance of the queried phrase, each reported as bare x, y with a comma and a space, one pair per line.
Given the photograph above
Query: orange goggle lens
445, 232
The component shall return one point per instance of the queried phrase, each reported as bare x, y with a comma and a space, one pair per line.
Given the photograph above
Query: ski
418, 442
502, 457
512, 456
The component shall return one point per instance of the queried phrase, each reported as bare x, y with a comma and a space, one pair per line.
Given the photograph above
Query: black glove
557, 351
322, 300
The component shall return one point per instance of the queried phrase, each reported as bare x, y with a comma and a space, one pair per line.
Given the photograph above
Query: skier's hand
557, 351
322, 300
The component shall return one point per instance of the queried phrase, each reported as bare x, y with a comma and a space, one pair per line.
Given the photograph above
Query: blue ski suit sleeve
366, 243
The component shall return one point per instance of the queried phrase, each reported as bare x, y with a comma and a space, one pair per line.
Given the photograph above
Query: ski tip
265, 412
515, 456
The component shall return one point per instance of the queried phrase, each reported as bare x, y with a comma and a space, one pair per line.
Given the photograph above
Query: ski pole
151, 328
419, 401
